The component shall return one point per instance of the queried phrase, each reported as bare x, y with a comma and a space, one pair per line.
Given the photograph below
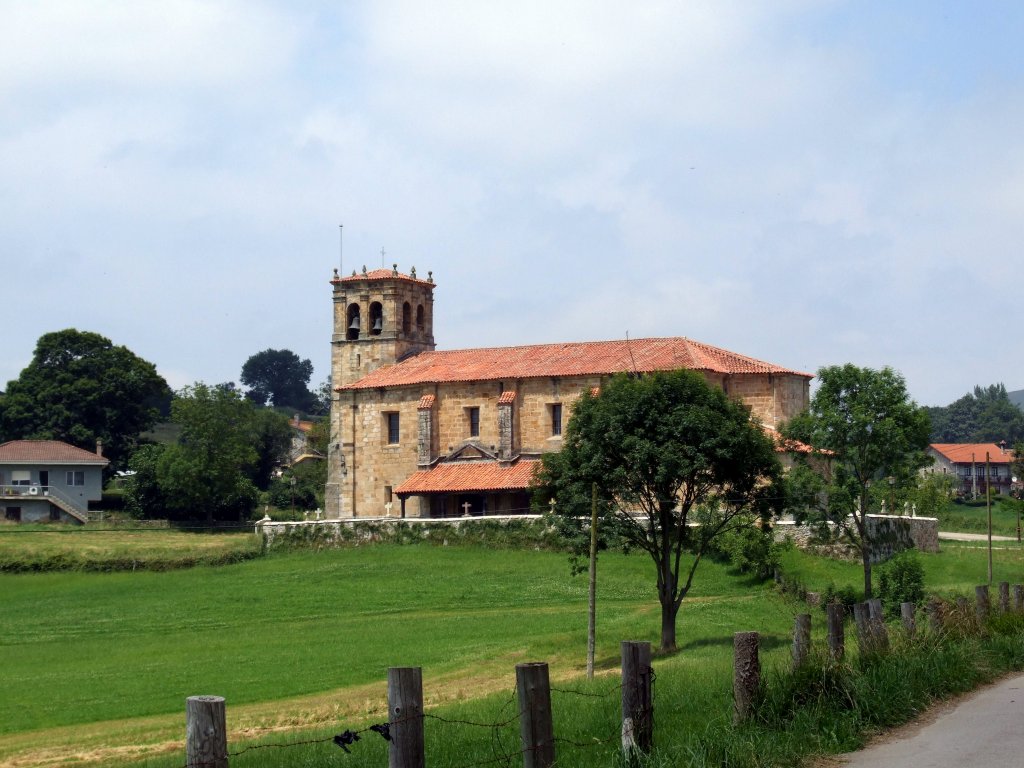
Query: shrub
901, 580
846, 596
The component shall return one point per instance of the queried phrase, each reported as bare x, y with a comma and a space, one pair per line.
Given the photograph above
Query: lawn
974, 518
98, 665
102, 547
305, 638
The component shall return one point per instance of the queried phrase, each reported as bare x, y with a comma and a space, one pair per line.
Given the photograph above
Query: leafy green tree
207, 473
142, 496
279, 377
872, 431
676, 464
932, 493
80, 388
272, 439
985, 415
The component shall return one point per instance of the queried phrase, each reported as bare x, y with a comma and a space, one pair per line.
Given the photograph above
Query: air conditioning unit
33, 491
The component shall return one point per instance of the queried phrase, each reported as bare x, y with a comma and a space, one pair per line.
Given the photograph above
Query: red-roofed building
965, 462
49, 480
450, 432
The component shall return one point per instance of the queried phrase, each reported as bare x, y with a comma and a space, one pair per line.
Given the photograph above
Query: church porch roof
467, 477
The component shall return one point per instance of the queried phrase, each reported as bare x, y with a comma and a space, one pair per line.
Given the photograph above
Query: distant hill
1017, 398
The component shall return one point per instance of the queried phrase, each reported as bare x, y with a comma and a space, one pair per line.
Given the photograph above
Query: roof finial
412, 273
394, 270
364, 270
430, 276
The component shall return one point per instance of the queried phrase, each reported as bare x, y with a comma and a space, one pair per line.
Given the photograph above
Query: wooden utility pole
592, 605
988, 506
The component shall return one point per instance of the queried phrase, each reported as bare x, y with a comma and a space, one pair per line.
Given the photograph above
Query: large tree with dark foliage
868, 433
80, 387
280, 378
676, 465
985, 415
208, 474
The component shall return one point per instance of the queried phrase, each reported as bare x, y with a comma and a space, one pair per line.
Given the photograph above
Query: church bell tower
381, 317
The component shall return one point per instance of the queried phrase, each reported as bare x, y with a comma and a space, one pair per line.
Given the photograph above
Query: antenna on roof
341, 249
632, 359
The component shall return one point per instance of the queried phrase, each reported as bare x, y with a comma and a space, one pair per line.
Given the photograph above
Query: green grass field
98, 665
974, 519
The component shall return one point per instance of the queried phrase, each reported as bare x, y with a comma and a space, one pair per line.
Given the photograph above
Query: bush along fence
207, 741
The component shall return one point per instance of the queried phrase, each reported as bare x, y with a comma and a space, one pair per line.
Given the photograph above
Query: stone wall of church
772, 398
379, 465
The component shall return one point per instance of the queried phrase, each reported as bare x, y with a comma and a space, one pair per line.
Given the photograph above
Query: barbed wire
502, 753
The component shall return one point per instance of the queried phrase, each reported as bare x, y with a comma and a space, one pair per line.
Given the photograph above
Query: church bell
355, 324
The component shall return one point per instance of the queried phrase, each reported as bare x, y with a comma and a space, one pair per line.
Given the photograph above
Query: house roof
961, 453
48, 452
569, 359
788, 445
463, 477
381, 274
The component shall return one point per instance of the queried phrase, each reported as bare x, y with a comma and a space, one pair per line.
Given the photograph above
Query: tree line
229, 446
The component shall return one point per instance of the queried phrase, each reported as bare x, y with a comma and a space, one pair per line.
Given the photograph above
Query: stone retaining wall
890, 533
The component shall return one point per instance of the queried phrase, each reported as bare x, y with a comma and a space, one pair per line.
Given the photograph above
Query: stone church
417, 432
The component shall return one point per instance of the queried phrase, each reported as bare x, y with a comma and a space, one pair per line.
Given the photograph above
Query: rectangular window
474, 421
20, 477
75, 478
392, 422
556, 419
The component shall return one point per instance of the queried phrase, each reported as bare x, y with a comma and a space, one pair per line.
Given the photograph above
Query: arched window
420, 323
376, 318
406, 318
353, 322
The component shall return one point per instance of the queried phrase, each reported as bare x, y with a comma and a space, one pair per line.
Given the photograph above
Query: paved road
951, 536
979, 731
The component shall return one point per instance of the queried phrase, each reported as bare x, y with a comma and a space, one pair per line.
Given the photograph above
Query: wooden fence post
935, 611
1018, 597
405, 713
908, 613
535, 727
801, 639
637, 701
206, 732
984, 604
1004, 597
836, 614
879, 632
865, 635
746, 678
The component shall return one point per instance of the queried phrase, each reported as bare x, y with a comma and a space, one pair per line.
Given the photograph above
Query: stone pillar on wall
505, 445
425, 434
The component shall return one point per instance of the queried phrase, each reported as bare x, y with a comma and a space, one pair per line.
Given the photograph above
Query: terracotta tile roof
460, 477
782, 445
381, 274
426, 403
960, 453
47, 451
570, 359
507, 398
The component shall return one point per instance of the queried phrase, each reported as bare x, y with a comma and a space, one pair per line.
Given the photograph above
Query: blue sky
809, 183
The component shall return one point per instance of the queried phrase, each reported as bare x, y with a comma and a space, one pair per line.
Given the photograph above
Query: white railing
45, 492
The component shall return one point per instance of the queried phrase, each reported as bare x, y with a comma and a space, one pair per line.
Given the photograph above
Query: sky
808, 183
